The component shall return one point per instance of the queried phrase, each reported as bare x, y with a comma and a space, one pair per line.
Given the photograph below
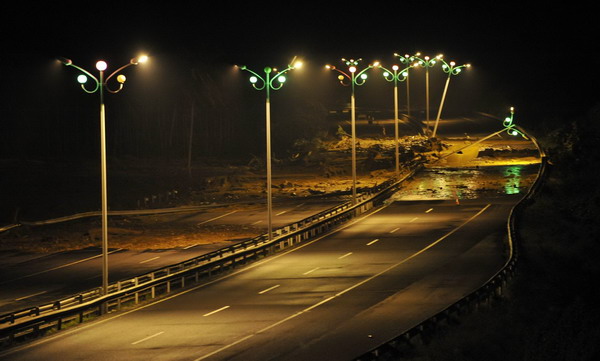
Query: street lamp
450, 69
510, 127
269, 83
99, 85
427, 63
395, 76
406, 60
354, 79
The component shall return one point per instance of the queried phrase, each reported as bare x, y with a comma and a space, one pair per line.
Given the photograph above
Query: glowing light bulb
101, 65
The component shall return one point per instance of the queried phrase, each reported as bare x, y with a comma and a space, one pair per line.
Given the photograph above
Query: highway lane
32, 282
330, 299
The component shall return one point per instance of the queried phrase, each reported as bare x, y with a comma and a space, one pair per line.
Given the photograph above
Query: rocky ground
214, 186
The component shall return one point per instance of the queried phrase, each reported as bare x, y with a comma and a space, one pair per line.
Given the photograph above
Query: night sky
539, 60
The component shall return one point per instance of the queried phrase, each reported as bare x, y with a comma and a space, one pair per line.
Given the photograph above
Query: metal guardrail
36, 321
493, 287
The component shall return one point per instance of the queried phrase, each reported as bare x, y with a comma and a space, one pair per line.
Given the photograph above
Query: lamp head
65, 61
101, 65
140, 59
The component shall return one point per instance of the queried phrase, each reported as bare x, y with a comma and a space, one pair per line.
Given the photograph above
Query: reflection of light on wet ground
513, 179
468, 183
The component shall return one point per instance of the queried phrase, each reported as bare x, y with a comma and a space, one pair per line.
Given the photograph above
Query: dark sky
542, 52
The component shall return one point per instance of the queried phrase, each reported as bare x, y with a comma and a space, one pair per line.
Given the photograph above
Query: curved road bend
331, 299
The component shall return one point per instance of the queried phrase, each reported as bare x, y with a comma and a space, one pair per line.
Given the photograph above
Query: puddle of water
469, 183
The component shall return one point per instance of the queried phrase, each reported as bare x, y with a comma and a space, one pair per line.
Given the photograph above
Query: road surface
331, 299
28, 282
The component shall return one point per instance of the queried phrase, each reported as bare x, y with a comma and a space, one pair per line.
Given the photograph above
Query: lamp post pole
450, 69
427, 63
99, 85
396, 76
269, 83
406, 60
352, 79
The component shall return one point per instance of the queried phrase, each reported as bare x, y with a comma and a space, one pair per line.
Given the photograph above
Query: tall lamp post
99, 85
406, 60
352, 79
269, 82
427, 63
450, 69
396, 76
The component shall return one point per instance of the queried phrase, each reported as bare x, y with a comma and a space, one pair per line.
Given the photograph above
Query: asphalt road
331, 299
32, 282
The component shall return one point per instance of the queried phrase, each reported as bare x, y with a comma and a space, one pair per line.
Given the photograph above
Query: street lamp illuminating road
269, 83
426, 62
450, 69
354, 79
395, 76
99, 85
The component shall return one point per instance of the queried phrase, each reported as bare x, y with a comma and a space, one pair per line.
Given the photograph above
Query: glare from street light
101, 65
